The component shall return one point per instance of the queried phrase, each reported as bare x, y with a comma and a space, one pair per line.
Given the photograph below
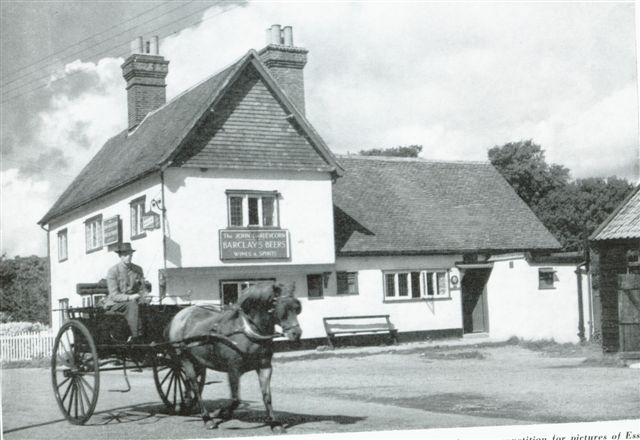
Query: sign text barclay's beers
238, 245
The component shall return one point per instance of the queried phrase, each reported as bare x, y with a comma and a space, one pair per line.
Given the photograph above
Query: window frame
137, 232
554, 278
320, 285
250, 282
348, 285
249, 215
417, 285
96, 219
63, 256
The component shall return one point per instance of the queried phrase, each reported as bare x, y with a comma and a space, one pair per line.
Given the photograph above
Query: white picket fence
26, 346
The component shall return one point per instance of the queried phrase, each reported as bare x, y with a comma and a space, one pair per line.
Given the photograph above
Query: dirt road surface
365, 389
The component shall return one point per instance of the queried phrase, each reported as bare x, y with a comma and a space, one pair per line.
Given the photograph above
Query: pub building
228, 185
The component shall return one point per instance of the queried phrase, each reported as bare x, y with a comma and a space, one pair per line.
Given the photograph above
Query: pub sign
251, 245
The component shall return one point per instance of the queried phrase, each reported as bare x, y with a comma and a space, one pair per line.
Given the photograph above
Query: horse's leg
194, 389
226, 413
264, 376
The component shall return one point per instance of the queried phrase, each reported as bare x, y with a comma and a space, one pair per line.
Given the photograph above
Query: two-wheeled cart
92, 341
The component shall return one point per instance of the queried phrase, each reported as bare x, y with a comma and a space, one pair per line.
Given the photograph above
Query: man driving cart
127, 289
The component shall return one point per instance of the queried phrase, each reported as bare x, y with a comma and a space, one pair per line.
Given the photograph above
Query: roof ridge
412, 159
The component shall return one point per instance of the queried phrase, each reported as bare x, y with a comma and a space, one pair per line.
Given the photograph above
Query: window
92, 300
415, 285
314, 286
231, 290
347, 283
253, 209
63, 306
62, 245
547, 278
137, 211
93, 233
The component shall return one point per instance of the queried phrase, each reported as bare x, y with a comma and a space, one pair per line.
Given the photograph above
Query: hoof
210, 424
278, 429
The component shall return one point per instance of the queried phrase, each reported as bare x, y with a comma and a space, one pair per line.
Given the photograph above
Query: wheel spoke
62, 383
166, 377
66, 393
70, 399
87, 384
168, 393
81, 397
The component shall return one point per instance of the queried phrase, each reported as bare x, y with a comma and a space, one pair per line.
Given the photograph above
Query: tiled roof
624, 222
412, 206
127, 157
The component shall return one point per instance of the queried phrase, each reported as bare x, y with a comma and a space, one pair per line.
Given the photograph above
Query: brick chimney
285, 62
145, 72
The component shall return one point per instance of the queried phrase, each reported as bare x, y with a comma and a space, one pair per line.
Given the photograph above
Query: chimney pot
276, 34
288, 36
136, 45
286, 63
154, 44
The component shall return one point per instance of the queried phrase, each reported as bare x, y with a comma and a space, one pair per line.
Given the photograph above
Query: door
629, 312
474, 300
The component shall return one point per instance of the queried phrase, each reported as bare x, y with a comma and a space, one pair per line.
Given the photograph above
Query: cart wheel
171, 383
75, 372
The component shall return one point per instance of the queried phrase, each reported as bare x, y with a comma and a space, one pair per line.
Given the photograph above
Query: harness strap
251, 333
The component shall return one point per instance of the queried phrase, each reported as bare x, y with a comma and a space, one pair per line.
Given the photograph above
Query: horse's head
273, 304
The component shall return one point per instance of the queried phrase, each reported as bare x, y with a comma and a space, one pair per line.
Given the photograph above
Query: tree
24, 288
571, 210
399, 151
524, 166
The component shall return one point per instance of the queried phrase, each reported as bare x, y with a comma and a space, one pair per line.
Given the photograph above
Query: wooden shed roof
386, 206
623, 223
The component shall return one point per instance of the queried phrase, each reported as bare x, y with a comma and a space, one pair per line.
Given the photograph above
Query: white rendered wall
406, 315
83, 267
517, 307
196, 204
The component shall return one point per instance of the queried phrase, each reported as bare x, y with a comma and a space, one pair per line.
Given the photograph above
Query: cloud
19, 235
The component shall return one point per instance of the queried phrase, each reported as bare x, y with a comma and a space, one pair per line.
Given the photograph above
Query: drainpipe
162, 281
50, 304
579, 273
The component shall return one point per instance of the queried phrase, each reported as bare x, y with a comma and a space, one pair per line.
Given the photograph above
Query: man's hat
121, 248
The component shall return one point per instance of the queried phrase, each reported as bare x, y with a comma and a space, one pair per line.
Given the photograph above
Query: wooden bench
352, 325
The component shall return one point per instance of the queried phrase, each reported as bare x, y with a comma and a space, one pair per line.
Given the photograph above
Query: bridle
248, 327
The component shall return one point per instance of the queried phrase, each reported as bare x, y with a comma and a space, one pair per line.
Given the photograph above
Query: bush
14, 328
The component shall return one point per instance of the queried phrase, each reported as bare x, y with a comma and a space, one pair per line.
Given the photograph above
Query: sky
457, 78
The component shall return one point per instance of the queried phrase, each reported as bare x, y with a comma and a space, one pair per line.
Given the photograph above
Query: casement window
347, 283
230, 290
63, 306
93, 233
403, 285
248, 209
63, 249
547, 278
136, 208
314, 286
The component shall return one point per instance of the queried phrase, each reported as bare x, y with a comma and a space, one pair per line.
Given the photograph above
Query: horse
239, 340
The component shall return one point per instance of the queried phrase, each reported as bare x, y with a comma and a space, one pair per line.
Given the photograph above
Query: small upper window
547, 278
252, 209
63, 252
93, 233
347, 283
137, 211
